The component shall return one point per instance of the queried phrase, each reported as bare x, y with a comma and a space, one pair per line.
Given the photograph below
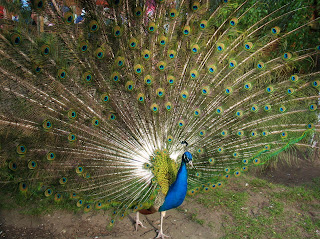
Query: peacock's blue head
187, 158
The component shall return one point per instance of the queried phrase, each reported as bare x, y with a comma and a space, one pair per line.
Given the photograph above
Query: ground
274, 203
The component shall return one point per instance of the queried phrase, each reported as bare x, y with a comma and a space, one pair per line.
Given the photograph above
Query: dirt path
177, 224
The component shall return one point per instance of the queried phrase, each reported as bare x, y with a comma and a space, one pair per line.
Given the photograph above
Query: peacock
105, 104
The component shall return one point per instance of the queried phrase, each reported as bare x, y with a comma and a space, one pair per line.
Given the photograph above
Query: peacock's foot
139, 223
161, 235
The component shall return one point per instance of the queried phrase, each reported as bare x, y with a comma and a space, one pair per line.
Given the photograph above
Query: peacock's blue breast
177, 191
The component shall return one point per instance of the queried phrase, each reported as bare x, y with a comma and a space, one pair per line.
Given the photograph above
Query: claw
161, 235
138, 222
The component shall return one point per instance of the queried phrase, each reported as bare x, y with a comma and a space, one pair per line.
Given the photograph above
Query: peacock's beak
191, 164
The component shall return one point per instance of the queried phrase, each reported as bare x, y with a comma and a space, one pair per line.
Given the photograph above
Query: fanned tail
87, 108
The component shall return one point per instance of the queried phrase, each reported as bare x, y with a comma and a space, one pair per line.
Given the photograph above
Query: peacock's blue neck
177, 191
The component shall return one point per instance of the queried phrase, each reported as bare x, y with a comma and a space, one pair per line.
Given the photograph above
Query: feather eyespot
23, 187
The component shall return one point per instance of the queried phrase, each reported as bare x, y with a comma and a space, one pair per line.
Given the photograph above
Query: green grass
255, 208
260, 183
276, 208
195, 219
297, 194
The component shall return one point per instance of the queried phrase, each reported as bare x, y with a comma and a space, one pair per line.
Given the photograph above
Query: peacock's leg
160, 233
138, 222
